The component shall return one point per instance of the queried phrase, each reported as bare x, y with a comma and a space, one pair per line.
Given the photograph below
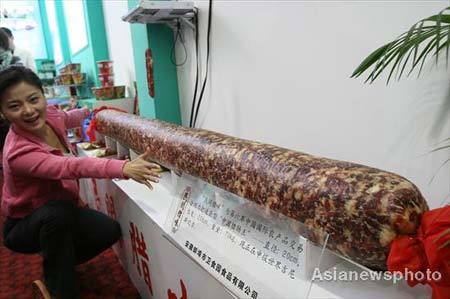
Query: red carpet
100, 278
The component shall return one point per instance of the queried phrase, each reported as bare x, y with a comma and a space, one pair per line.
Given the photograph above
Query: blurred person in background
6, 56
25, 56
6, 59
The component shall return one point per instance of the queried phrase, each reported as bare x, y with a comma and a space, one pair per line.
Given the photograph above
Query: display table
208, 256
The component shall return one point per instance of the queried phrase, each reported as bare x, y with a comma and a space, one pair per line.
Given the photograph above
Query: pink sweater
35, 172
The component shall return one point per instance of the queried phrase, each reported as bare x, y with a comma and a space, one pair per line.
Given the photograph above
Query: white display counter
220, 248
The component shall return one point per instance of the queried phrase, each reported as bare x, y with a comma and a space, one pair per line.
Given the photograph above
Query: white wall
280, 72
119, 43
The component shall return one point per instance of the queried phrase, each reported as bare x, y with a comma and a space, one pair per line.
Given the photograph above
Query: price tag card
253, 251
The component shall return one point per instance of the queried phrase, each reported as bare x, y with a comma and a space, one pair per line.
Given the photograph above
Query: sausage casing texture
361, 208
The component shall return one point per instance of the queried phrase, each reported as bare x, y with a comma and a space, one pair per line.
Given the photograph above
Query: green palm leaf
428, 36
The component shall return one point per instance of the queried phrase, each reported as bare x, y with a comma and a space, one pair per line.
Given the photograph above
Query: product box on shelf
105, 73
78, 78
70, 68
109, 92
106, 80
105, 67
70, 74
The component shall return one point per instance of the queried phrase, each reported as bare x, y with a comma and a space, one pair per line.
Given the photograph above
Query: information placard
255, 252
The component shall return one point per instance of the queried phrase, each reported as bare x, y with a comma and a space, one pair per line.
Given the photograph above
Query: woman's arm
40, 164
75, 117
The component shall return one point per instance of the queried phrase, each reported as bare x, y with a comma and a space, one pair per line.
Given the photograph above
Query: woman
40, 192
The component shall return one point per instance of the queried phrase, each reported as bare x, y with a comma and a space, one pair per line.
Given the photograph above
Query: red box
106, 80
105, 67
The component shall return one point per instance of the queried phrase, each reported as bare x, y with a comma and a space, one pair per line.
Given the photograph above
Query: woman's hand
141, 170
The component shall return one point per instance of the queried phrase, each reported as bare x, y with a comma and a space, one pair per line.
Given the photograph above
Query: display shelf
70, 85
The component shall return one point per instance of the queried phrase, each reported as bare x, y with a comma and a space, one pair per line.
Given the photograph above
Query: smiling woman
40, 194
24, 104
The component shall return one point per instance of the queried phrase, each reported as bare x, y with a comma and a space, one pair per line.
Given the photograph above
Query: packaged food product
64, 70
77, 78
98, 93
73, 68
103, 93
105, 67
119, 91
109, 92
65, 79
106, 80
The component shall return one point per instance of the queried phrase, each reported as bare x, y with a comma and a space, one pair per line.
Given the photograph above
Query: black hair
7, 31
4, 40
15, 74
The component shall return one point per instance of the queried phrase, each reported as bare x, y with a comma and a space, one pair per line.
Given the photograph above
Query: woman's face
25, 106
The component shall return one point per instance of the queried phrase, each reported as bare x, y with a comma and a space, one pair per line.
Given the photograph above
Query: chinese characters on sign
280, 249
179, 213
250, 249
140, 256
222, 270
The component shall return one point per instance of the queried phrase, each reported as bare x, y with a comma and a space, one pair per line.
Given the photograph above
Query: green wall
159, 38
139, 39
98, 45
167, 104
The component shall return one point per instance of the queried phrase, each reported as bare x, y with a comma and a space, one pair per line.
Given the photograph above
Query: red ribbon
428, 251
93, 124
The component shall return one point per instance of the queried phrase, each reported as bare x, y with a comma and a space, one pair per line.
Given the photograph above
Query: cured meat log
361, 208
